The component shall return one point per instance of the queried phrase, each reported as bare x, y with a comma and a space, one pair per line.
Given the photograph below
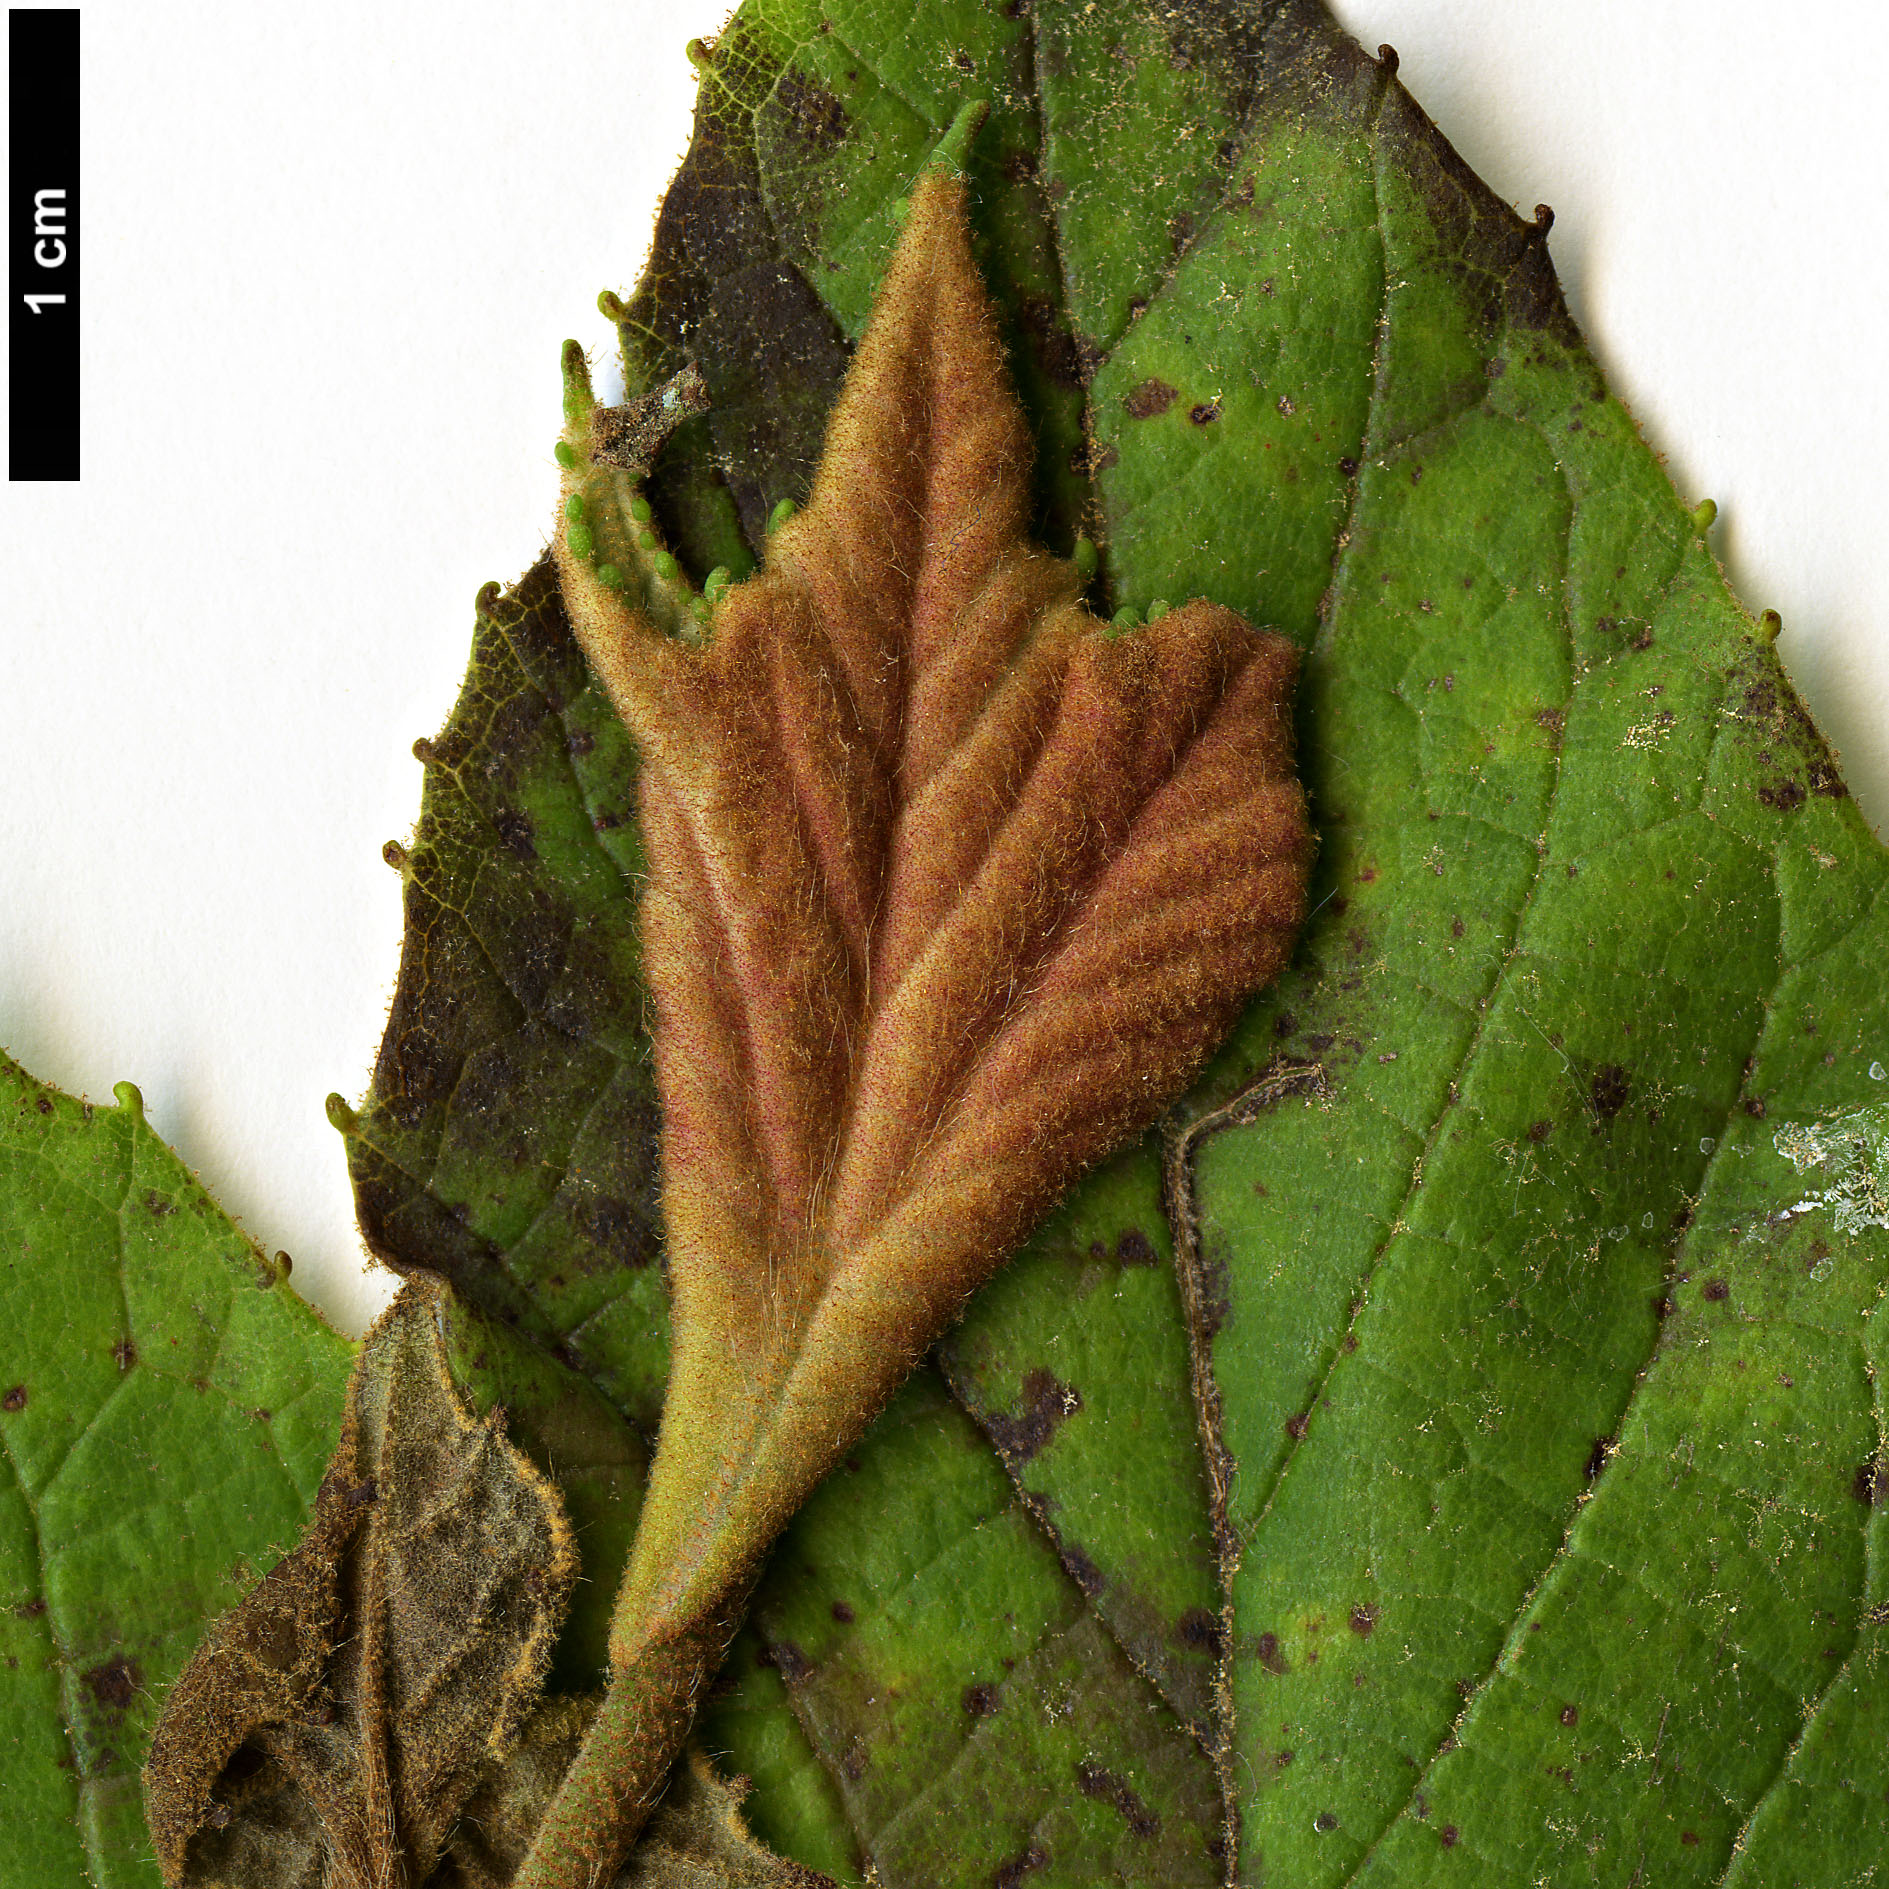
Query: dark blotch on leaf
1363, 1619
816, 115
1325, 1820
126, 1354
1717, 1291
981, 1700
1870, 1485
1199, 1628
787, 1659
1270, 1657
1152, 397
1447, 1836
1599, 1456
1539, 1132
14, 1399
114, 1684
1608, 1090
1134, 1248
842, 1613
1010, 1874
1046, 1403
1570, 1714
1095, 1781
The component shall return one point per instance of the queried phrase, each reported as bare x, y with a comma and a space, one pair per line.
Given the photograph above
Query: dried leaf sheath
954, 886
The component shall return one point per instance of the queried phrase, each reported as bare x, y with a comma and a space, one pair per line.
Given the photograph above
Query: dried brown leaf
695, 1839
332, 1725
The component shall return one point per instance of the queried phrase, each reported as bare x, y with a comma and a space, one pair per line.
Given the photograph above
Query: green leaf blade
171, 1404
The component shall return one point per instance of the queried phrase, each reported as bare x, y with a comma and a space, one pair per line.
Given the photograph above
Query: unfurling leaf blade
953, 887
364, 1685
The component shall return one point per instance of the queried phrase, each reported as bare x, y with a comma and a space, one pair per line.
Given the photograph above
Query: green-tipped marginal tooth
953, 151
1704, 515
574, 506
716, 582
780, 515
340, 1115
579, 538
1158, 609
578, 398
611, 307
564, 456
639, 509
1125, 620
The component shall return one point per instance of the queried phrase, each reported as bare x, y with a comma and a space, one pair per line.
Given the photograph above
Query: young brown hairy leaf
953, 888
331, 1727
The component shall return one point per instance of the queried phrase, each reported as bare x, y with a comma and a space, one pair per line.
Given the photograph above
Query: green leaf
167, 1405
1529, 1235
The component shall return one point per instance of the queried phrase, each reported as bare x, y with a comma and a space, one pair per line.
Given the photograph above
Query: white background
329, 256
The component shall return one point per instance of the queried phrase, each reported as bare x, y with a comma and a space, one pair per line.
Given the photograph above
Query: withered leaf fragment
953, 888
695, 1838
330, 1728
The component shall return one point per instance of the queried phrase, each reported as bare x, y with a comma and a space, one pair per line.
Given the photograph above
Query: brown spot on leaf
126, 1353
156, 1205
43, 1104
1870, 1484
1570, 1714
1205, 414
30, 1609
1151, 398
1599, 1456
1448, 1835
1108, 1787
1690, 1838
814, 115
1363, 1620
13, 1399
1785, 795
1266, 1647
981, 1700
843, 1613
1325, 1820
1717, 1291
1540, 1131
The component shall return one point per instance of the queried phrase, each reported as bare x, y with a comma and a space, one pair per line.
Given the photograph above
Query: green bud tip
1770, 626
639, 510
780, 514
1086, 559
953, 150
340, 1115
610, 306
574, 506
579, 538
1704, 515
1158, 609
667, 568
609, 577
716, 582
1125, 620
564, 456
699, 55
128, 1098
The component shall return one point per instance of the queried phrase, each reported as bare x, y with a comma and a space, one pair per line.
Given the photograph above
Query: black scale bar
43, 240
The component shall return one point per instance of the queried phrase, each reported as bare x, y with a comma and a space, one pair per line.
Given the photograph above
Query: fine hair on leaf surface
953, 887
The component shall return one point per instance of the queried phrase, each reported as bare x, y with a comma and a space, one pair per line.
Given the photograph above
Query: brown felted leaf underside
953, 886
337, 1719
